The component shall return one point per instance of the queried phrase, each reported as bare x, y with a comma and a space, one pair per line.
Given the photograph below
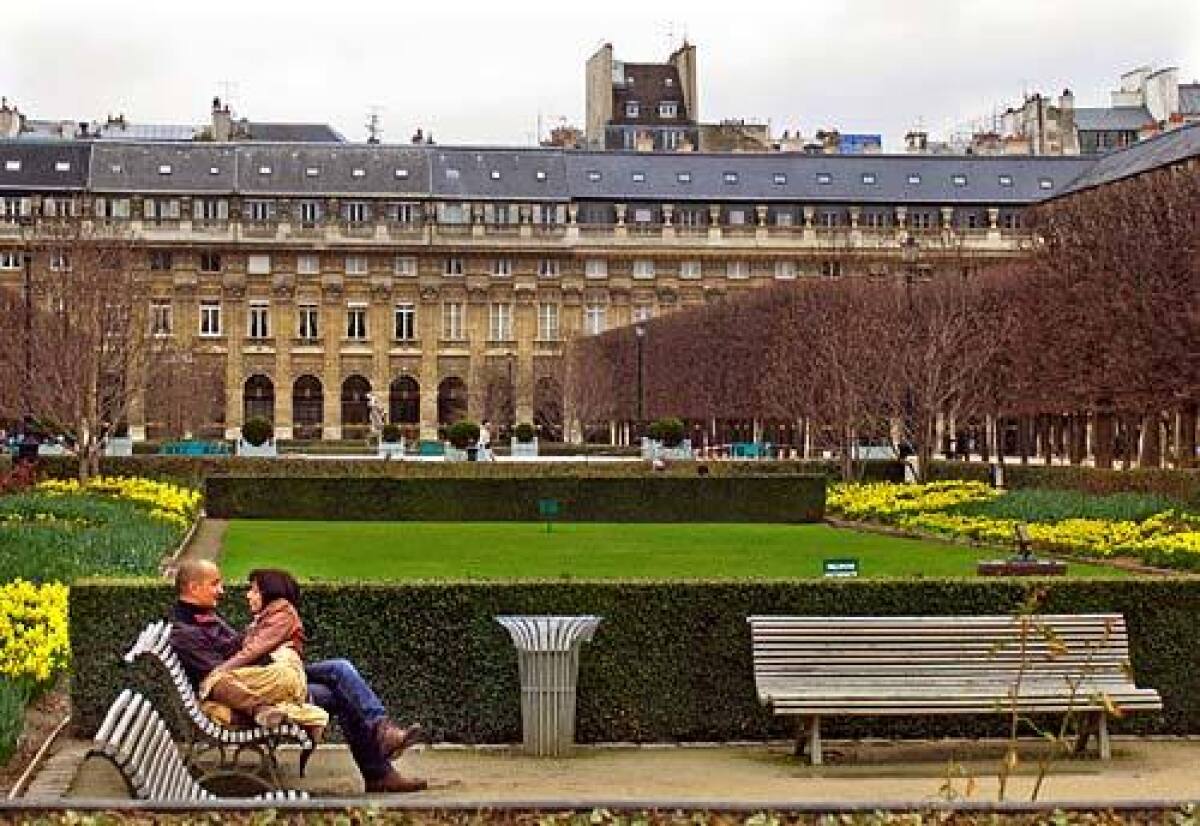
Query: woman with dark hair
270, 663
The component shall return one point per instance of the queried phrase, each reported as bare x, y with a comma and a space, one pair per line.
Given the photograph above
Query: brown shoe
395, 783
393, 740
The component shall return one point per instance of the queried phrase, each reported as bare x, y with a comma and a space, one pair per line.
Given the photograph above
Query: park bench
429, 447
814, 667
203, 734
191, 447
134, 738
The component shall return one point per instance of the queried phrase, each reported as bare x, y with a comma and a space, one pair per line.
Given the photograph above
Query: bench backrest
950, 647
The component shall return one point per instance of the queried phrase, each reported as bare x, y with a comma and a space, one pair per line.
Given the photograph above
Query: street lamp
911, 252
639, 331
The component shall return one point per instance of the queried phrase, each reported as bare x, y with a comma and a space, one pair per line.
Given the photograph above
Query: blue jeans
337, 687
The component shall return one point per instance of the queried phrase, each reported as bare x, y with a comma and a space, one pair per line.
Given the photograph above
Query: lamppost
639, 331
511, 407
911, 252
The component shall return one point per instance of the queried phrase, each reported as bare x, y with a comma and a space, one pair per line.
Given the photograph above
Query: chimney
418, 136
10, 120
222, 121
916, 142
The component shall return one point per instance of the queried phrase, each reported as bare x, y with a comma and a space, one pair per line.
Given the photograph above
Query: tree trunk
1150, 452
1102, 438
1185, 436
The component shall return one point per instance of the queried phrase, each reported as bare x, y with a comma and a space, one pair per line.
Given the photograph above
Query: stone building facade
441, 279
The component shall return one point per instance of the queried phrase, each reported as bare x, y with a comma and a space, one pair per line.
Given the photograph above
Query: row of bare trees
1102, 320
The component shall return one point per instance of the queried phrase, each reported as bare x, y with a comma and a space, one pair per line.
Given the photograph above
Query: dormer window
62, 166
668, 81
730, 177
264, 170
914, 180
358, 172
958, 180
12, 166
868, 178
451, 174
824, 178
115, 169
1045, 183
632, 109
639, 177
668, 109
402, 174
684, 177
312, 171
593, 176
214, 170
540, 175
495, 174
779, 178
1006, 180
164, 169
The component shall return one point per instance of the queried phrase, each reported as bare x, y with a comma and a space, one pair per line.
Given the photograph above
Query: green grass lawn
524, 550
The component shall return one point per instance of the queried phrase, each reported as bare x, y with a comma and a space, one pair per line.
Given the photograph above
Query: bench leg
1102, 735
1085, 733
801, 732
814, 741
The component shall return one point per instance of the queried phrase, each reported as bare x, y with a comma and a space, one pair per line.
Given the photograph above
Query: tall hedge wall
671, 661
779, 498
1181, 485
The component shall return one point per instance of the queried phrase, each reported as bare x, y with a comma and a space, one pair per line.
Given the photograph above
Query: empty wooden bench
814, 667
137, 741
203, 735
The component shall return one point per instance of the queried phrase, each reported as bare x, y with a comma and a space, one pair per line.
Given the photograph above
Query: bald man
203, 639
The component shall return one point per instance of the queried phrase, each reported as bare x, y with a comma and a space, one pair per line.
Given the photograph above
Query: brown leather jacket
276, 624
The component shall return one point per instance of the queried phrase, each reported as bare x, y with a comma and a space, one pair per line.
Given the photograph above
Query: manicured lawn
523, 550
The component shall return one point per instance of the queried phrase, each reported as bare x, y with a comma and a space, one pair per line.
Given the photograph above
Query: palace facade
442, 279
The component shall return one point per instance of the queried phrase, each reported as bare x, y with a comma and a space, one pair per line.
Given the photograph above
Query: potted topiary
118, 442
257, 439
391, 442
461, 435
665, 440
524, 442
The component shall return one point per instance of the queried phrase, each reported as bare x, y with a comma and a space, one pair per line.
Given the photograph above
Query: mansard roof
164, 167
525, 174
44, 165
350, 170
1168, 148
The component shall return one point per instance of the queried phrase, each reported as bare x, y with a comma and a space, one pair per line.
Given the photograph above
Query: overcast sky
474, 72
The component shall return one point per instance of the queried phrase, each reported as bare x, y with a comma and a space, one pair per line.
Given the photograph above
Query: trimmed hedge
1182, 486
670, 661
780, 498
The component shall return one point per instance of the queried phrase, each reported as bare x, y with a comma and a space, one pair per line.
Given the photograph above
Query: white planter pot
265, 450
653, 449
453, 454
51, 449
118, 446
391, 450
523, 450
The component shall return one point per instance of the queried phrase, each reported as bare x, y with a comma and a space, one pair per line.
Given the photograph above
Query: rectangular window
667, 109
831, 269
874, 220
452, 321
405, 266
160, 260
260, 211
112, 208
643, 268
920, 220
60, 261
160, 318
308, 264
785, 218
549, 214
310, 213
210, 318
10, 260
643, 215
502, 267
737, 269
454, 266
595, 319
356, 322
356, 265
632, 109
689, 269
642, 313
548, 268
210, 209
690, 217
259, 320
161, 209
258, 264
210, 262
828, 220
785, 270
500, 322
736, 217
405, 322
406, 213
58, 207
356, 212
309, 324
453, 214
547, 322
595, 268
502, 214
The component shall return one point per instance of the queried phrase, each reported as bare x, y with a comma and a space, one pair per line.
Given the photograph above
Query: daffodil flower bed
163, 500
968, 510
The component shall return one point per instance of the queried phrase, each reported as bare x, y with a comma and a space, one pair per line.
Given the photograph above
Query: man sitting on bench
203, 639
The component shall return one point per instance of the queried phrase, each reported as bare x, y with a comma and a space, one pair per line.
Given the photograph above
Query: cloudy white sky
475, 72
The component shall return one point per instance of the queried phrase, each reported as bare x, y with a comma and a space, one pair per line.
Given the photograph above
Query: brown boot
395, 783
393, 740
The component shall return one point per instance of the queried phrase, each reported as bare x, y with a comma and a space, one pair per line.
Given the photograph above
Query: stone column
233, 318
333, 320
380, 331
283, 326
477, 333
525, 330
429, 319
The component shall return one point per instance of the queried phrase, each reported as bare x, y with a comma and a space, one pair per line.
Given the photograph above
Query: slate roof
649, 88
143, 167
1189, 98
40, 165
819, 178
294, 132
1115, 119
343, 169
501, 174
1162, 150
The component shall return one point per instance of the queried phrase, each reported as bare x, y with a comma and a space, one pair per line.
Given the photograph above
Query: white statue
375, 412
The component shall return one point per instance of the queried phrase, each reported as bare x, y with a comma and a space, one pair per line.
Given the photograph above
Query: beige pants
281, 684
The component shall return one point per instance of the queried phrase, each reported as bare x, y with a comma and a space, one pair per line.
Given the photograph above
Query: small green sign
841, 567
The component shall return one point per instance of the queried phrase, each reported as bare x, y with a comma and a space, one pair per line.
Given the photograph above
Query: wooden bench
814, 667
134, 738
203, 734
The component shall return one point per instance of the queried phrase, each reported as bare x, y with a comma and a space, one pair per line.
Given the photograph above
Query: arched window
452, 400
258, 399
548, 408
356, 415
404, 406
308, 405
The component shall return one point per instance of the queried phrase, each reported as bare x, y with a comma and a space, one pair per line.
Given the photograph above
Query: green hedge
780, 498
1182, 486
670, 661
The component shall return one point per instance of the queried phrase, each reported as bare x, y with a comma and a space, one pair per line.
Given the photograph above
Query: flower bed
1062, 522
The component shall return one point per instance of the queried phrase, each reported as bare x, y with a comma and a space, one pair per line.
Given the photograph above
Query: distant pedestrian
484, 444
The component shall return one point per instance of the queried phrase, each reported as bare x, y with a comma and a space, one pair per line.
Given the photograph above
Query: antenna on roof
374, 130
228, 91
